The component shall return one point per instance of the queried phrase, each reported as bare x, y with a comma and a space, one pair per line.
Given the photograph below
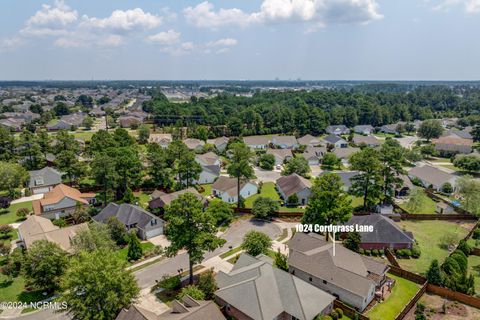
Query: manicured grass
357, 201
268, 191
428, 206
474, 268
14, 290
402, 293
230, 252
430, 237
11, 216
84, 135
122, 253
207, 189
143, 199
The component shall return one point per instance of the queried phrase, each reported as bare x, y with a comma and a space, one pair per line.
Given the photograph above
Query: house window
153, 222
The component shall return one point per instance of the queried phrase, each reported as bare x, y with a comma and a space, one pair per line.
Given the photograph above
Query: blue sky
251, 40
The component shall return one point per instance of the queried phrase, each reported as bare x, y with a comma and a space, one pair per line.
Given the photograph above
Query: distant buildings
364, 129
337, 129
44, 180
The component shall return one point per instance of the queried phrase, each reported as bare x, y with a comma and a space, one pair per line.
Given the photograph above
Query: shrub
416, 252
264, 208
206, 283
339, 312
256, 242
60, 222
476, 234
5, 230
361, 251
168, 283
334, 315
464, 247
368, 252
447, 188
23, 212
375, 253
27, 192
193, 291
381, 252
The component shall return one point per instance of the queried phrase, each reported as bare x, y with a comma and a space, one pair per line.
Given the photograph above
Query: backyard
13, 289
474, 268
427, 206
11, 214
268, 191
433, 238
401, 294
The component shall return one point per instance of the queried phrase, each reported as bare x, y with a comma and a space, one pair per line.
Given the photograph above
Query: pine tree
434, 275
135, 251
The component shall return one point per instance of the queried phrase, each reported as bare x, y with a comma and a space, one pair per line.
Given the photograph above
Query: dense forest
301, 112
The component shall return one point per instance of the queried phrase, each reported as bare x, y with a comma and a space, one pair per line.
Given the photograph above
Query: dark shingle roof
45, 177
128, 214
384, 230
292, 184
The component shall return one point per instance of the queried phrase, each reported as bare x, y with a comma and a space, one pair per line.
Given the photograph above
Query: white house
225, 188
432, 177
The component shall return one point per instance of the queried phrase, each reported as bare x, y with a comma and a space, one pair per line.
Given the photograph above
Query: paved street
266, 175
407, 141
146, 277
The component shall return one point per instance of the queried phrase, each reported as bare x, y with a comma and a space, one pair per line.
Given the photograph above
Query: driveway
266, 175
407, 141
234, 235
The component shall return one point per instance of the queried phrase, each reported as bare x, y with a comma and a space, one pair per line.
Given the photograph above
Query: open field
431, 237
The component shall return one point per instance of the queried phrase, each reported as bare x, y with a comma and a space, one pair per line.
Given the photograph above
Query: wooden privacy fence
454, 295
412, 302
408, 275
447, 217
348, 311
391, 258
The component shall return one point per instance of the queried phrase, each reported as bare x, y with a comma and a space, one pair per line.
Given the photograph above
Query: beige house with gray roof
294, 184
351, 277
254, 289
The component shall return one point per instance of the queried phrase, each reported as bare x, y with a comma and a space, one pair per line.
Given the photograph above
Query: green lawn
428, 206
268, 191
430, 237
230, 252
357, 201
402, 293
143, 198
474, 268
83, 135
122, 253
207, 189
11, 215
13, 289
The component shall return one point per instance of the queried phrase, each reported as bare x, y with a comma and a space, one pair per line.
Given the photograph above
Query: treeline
301, 112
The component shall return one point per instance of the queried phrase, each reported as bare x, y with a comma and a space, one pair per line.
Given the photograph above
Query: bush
27, 192
361, 251
256, 242
334, 315
5, 230
375, 253
381, 252
168, 283
60, 222
193, 291
206, 283
339, 312
23, 212
476, 234
447, 188
264, 208
368, 252
464, 247
416, 252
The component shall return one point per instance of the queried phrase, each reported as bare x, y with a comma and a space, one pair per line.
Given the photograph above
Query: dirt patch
438, 308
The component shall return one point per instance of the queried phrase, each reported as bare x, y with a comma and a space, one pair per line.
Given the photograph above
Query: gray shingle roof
128, 214
261, 291
332, 139
44, 177
346, 176
292, 184
346, 269
384, 230
431, 175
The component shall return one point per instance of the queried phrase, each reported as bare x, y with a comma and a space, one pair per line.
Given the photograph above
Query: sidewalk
27, 199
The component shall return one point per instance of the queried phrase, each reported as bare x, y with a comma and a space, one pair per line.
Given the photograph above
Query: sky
240, 40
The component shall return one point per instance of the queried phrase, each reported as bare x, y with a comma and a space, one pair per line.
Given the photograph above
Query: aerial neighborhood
176, 201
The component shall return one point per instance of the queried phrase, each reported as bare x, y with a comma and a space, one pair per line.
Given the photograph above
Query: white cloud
322, 12
469, 6
121, 21
50, 20
10, 44
166, 37
227, 42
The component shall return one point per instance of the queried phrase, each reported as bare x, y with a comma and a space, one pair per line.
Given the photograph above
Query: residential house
255, 290
163, 139
256, 142
453, 145
208, 159
390, 129
335, 141
346, 177
345, 153
464, 134
44, 180
364, 129
12, 124
431, 177
162, 199
69, 121
314, 154
386, 233
220, 143
194, 144
210, 163
350, 277
294, 184
285, 142
370, 141
132, 216
226, 189
129, 121
60, 202
281, 155
405, 188
309, 140
337, 130
37, 228
186, 309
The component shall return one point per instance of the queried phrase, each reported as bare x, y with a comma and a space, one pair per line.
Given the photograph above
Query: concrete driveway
266, 175
407, 141
234, 235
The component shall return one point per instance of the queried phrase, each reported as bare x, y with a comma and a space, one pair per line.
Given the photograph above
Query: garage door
153, 233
